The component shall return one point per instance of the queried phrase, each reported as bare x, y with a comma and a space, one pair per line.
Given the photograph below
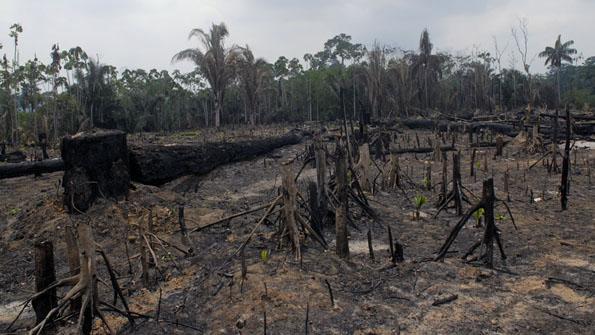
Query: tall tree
215, 62
427, 67
97, 92
15, 30
280, 72
521, 39
6, 78
252, 72
556, 55
375, 75
54, 72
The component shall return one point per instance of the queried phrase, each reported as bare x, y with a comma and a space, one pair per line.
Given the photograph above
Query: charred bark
13, 170
565, 165
96, 165
158, 164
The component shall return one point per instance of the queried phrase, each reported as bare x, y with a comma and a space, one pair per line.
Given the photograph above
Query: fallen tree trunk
488, 144
421, 150
158, 164
442, 125
12, 170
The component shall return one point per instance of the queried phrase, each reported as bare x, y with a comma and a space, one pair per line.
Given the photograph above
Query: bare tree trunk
565, 165
321, 200
491, 231
456, 182
341, 210
45, 275
289, 206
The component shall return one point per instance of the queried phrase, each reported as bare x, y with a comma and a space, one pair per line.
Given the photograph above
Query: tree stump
96, 164
472, 166
289, 208
499, 145
45, 275
363, 167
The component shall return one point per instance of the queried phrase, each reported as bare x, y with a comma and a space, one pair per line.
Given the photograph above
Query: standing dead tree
456, 195
289, 190
565, 182
341, 212
521, 39
491, 233
321, 196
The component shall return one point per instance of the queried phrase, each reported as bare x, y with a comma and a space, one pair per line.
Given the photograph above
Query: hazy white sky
146, 33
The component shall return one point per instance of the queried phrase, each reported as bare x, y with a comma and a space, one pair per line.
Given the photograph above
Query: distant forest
230, 85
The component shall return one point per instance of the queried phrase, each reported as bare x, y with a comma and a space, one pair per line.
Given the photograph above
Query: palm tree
15, 30
252, 72
97, 92
215, 62
554, 56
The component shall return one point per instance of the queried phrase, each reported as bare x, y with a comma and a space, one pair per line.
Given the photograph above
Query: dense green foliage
231, 86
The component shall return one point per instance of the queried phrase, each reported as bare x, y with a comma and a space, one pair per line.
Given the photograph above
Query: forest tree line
230, 85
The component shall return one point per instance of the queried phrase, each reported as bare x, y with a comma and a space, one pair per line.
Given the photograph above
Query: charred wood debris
351, 167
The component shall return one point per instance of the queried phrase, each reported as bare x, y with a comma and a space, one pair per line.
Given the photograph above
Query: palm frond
191, 54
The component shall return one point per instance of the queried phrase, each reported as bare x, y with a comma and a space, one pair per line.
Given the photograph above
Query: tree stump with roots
491, 233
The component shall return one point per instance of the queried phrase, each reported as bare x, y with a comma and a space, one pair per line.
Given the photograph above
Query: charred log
158, 164
28, 168
502, 128
421, 150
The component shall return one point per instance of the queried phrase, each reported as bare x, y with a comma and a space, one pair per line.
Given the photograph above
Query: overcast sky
146, 33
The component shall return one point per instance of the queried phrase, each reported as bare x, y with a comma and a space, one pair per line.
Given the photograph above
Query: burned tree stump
491, 233
506, 186
96, 165
289, 208
341, 211
456, 195
428, 178
315, 215
363, 167
499, 146
472, 165
456, 181
394, 173
443, 184
321, 196
45, 276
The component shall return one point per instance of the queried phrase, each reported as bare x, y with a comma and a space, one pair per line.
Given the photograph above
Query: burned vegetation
370, 229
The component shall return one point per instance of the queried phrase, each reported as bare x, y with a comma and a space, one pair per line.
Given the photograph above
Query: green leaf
419, 201
478, 214
264, 255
